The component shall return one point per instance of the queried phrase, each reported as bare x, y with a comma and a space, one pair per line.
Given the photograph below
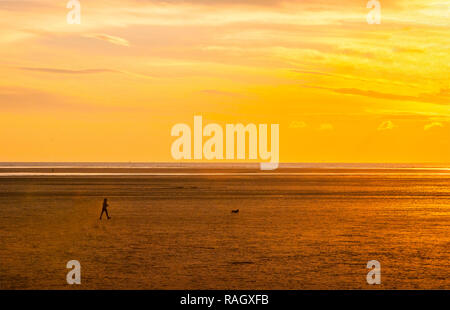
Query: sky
112, 87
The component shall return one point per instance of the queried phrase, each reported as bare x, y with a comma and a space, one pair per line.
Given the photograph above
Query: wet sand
300, 231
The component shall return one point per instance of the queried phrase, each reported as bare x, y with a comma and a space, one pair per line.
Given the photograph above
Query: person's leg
107, 215
103, 210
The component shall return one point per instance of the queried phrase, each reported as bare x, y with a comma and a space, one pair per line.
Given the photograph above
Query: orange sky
111, 88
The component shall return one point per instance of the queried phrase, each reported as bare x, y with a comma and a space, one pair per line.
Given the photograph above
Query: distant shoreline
215, 169
222, 165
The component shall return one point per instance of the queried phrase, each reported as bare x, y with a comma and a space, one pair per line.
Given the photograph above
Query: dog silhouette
235, 211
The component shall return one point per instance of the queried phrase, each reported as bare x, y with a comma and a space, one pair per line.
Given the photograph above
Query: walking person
104, 209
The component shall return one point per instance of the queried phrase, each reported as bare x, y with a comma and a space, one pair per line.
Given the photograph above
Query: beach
172, 228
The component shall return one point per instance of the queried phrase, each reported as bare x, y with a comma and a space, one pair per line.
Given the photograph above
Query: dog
235, 211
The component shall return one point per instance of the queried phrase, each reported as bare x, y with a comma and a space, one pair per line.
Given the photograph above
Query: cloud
297, 124
441, 97
409, 114
14, 98
24, 5
432, 125
67, 71
85, 71
326, 127
22, 99
108, 38
386, 125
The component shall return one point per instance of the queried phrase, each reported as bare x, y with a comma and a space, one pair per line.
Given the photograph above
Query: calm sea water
314, 230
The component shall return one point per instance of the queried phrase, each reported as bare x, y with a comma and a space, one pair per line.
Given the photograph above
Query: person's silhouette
104, 209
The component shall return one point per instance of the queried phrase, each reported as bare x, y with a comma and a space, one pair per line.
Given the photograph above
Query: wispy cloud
29, 100
386, 125
109, 38
438, 98
67, 71
441, 97
84, 71
433, 125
